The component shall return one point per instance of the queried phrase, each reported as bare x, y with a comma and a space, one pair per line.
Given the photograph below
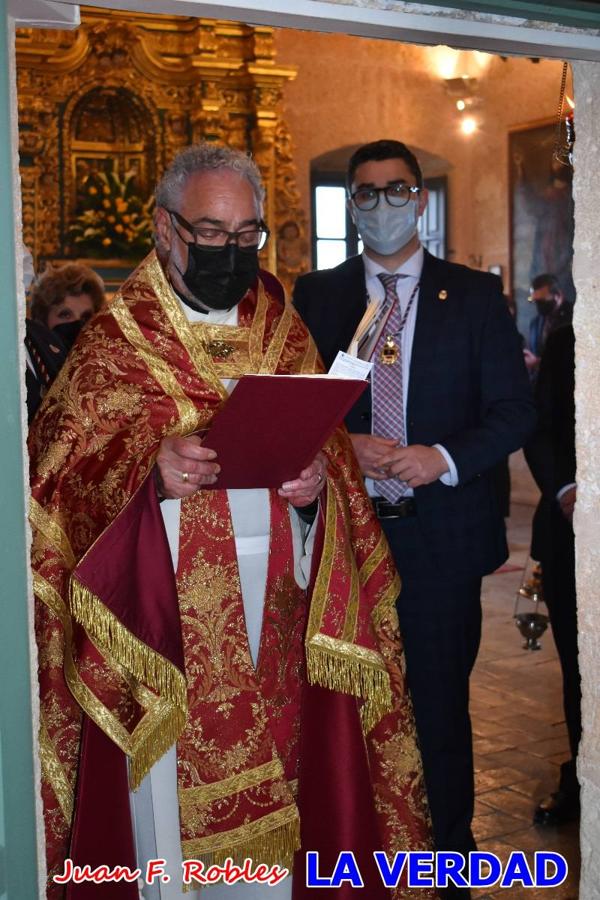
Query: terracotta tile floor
519, 731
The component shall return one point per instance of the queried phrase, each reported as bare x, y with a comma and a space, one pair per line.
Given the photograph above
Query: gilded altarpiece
117, 98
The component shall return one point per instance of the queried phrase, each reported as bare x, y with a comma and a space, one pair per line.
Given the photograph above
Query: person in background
450, 399
551, 457
66, 297
553, 311
62, 300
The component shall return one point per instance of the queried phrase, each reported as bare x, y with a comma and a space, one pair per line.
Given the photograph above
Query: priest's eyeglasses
367, 198
249, 239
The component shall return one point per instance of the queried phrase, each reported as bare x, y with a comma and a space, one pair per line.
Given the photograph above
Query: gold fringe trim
152, 749
145, 664
338, 671
275, 846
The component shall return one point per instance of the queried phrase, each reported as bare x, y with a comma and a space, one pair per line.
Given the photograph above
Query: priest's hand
183, 465
416, 464
370, 450
305, 489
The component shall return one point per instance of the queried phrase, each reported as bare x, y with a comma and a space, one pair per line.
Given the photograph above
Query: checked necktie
388, 403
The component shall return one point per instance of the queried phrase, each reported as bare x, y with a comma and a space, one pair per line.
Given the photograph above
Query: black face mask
69, 331
219, 279
545, 307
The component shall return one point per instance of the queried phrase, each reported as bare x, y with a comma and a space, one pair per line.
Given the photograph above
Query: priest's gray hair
206, 157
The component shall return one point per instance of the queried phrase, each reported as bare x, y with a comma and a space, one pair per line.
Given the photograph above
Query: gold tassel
147, 666
156, 745
275, 847
352, 676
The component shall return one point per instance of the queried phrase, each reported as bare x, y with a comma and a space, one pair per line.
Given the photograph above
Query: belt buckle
383, 509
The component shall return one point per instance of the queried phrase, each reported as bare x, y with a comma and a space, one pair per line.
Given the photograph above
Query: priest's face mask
211, 238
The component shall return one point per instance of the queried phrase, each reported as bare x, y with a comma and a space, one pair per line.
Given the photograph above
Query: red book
273, 426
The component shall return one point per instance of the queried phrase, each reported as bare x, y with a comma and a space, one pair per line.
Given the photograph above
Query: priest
221, 674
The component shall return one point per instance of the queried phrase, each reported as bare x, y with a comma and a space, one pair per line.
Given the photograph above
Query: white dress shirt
411, 269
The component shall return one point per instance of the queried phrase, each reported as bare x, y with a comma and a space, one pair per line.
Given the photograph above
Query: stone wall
587, 514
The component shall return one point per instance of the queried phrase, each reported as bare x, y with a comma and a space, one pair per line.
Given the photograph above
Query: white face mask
387, 229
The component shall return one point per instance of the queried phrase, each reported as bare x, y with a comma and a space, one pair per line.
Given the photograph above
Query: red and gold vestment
142, 659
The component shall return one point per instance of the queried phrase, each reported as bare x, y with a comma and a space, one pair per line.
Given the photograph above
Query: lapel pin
443, 295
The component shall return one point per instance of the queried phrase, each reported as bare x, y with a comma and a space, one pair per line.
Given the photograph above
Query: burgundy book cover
273, 426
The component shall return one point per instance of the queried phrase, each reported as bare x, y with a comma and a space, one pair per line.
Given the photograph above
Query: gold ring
185, 477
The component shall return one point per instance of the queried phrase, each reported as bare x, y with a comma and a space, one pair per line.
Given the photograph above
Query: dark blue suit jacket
468, 390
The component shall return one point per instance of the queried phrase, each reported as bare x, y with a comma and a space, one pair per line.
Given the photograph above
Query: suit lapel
431, 316
352, 300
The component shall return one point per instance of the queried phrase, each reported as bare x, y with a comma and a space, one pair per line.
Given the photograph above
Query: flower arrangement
115, 221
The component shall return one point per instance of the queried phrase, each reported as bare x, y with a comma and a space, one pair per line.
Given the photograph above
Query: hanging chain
561, 150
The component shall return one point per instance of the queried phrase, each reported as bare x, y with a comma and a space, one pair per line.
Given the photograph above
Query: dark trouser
440, 621
558, 579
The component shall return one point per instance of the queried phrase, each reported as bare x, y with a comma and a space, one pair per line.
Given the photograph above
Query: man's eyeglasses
249, 239
395, 194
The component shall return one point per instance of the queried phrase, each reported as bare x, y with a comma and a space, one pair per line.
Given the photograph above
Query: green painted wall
576, 13
18, 869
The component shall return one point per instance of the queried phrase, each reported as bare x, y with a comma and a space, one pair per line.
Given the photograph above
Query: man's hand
370, 449
184, 465
416, 465
567, 503
531, 360
305, 489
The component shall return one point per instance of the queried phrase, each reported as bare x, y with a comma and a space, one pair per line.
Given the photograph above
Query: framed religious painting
541, 215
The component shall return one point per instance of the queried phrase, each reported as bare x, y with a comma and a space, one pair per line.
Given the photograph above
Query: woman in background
62, 300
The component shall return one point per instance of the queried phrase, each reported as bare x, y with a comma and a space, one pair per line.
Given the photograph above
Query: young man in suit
450, 398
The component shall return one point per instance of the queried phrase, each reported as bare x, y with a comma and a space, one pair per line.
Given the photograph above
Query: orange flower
106, 204
119, 229
93, 191
106, 242
111, 219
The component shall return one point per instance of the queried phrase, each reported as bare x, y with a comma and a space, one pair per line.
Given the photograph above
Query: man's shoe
557, 809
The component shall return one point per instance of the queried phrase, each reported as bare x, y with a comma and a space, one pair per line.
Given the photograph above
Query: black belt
402, 509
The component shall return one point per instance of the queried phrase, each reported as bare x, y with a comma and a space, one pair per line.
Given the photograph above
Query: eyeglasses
395, 194
248, 239
547, 299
